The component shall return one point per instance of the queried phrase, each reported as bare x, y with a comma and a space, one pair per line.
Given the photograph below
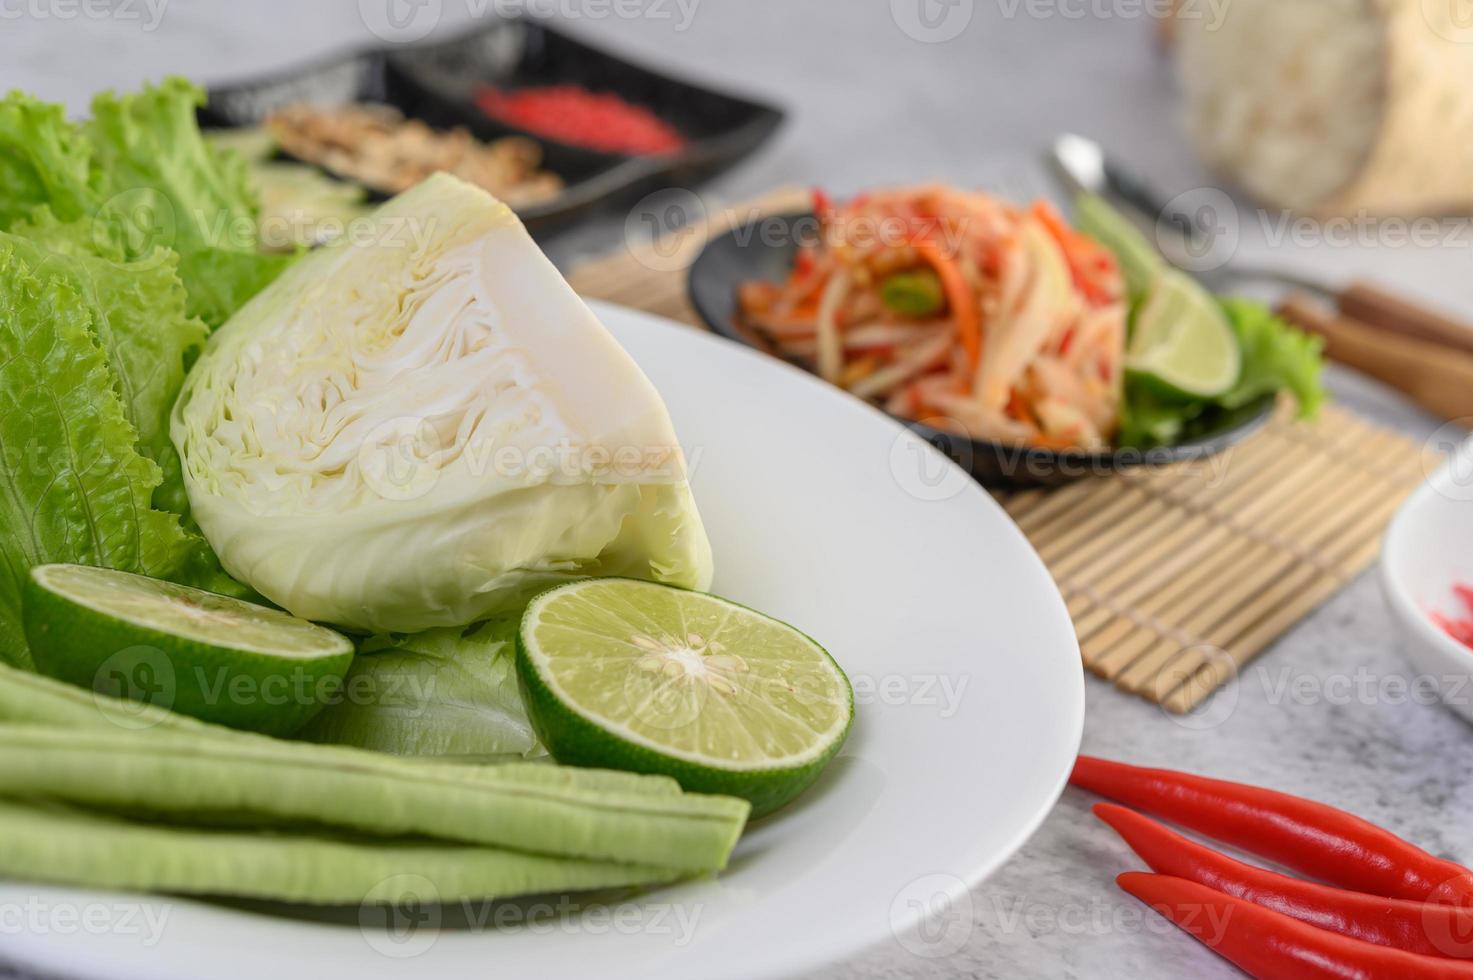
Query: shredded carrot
1092, 267
959, 297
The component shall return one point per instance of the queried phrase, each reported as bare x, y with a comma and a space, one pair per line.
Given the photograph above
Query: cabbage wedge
421, 425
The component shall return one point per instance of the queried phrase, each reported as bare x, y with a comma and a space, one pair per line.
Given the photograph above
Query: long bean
74, 847
263, 782
31, 699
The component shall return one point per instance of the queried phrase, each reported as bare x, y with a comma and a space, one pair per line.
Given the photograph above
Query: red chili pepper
1417, 927
1319, 840
1270, 946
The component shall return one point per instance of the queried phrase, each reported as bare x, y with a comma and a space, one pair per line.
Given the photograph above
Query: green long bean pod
74, 847
264, 782
32, 699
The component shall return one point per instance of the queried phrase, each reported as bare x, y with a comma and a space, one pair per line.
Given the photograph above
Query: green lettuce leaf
138, 318
156, 173
162, 183
1276, 357
444, 693
141, 169
1148, 420
223, 280
73, 485
43, 160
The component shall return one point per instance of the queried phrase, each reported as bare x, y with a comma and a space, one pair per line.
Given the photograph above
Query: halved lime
201, 654
621, 674
1183, 341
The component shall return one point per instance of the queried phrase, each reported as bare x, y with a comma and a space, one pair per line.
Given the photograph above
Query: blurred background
885, 91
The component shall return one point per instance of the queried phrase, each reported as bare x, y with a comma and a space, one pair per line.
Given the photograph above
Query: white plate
828, 515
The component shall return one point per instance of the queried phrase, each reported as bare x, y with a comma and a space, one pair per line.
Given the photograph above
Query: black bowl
764, 248
435, 81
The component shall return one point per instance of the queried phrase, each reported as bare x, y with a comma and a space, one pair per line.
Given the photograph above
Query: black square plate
435, 82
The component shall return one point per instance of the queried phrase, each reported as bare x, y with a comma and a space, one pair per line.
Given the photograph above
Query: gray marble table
971, 90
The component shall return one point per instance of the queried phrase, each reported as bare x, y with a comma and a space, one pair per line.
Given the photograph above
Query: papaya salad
940, 303
1006, 324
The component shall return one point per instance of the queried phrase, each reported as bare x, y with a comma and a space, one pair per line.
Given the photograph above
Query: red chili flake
572, 114
1459, 629
823, 205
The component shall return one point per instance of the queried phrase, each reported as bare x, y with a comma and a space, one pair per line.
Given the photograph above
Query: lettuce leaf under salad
1276, 357
123, 241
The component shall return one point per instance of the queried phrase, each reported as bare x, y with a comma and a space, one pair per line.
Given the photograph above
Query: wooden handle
1435, 376
1377, 307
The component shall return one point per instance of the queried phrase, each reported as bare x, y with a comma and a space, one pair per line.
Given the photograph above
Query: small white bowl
1427, 550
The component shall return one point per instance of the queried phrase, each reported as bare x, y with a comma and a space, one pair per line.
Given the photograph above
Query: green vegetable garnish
915, 293
142, 170
1182, 377
446, 693
117, 237
1275, 357
79, 488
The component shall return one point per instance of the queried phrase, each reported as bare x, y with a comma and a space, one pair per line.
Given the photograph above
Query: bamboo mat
1175, 577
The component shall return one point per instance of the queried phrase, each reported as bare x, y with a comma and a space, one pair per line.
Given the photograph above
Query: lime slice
201, 654
1183, 341
621, 674
1139, 262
